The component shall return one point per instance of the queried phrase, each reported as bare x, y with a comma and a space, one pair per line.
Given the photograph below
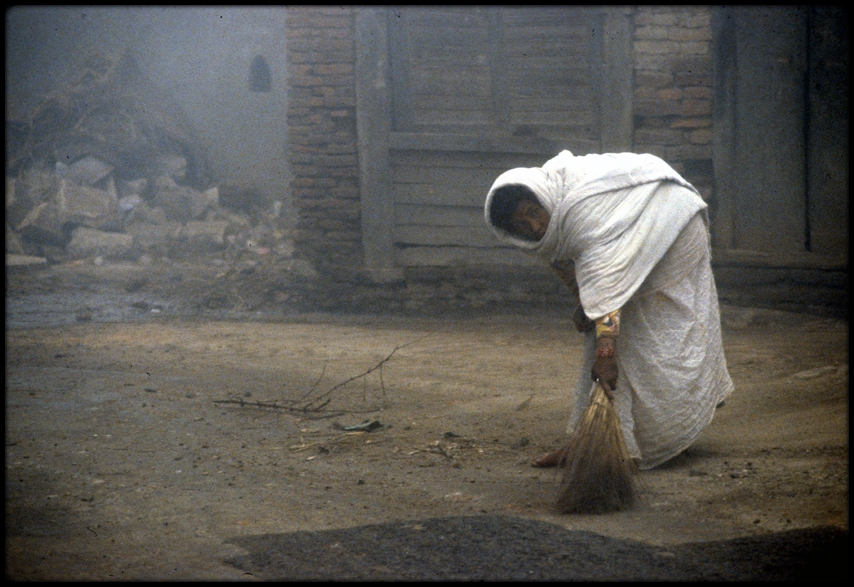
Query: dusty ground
137, 447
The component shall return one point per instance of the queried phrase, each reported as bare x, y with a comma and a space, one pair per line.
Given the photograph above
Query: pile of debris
109, 168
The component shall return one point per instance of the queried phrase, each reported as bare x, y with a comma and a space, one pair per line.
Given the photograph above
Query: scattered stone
119, 195
85, 316
204, 235
16, 207
87, 171
144, 213
182, 203
135, 187
149, 236
13, 260
200, 202
171, 165
42, 225
87, 205
128, 203
89, 242
173, 199
31, 188
13, 242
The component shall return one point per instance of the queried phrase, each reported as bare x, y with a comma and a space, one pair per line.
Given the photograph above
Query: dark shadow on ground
500, 548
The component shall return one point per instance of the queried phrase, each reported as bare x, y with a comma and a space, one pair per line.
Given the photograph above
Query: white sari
637, 235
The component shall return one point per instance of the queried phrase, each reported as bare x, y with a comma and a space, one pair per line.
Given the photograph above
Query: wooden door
470, 92
770, 152
782, 120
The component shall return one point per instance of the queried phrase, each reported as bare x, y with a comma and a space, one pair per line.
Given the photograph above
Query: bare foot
550, 459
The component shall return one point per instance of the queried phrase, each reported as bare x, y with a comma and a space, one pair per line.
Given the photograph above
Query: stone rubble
108, 167
80, 210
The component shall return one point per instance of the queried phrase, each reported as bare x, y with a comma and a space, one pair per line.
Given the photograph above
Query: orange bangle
605, 352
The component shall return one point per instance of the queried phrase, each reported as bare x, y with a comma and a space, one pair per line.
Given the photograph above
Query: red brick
651, 32
700, 137
654, 79
656, 47
647, 15
655, 108
690, 34
688, 152
695, 107
669, 94
698, 92
700, 122
659, 136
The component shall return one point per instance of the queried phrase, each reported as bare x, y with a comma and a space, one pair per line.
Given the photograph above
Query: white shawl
607, 216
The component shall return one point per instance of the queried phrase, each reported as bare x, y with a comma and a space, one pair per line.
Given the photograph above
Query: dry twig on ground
316, 407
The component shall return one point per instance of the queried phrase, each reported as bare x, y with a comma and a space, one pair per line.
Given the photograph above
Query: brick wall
672, 106
322, 137
673, 82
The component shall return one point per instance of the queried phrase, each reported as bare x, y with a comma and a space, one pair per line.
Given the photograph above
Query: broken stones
81, 208
86, 205
86, 171
109, 172
13, 260
31, 188
154, 237
132, 188
170, 165
183, 203
200, 236
43, 225
89, 242
142, 213
69, 205
13, 242
201, 202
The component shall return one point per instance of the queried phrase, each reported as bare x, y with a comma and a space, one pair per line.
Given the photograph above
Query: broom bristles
599, 474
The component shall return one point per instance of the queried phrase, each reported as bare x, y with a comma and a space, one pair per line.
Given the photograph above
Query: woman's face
530, 220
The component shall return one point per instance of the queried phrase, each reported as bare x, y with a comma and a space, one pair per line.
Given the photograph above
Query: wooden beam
372, 127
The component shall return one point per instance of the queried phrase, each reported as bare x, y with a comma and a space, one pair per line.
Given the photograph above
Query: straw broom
599, 475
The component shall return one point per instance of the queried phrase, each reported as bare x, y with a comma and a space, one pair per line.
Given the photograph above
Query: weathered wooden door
450, 97
782, 120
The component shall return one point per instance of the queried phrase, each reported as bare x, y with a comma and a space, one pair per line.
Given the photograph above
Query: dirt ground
149, 440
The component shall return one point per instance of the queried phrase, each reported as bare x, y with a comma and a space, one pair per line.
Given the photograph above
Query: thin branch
272, 405
313, 387
365, 374
313, 408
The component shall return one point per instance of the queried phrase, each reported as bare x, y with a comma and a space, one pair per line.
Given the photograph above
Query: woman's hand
605, 370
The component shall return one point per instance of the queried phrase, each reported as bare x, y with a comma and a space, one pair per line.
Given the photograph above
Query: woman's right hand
605, 371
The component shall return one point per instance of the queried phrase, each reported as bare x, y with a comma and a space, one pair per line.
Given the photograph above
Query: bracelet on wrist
608, 325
